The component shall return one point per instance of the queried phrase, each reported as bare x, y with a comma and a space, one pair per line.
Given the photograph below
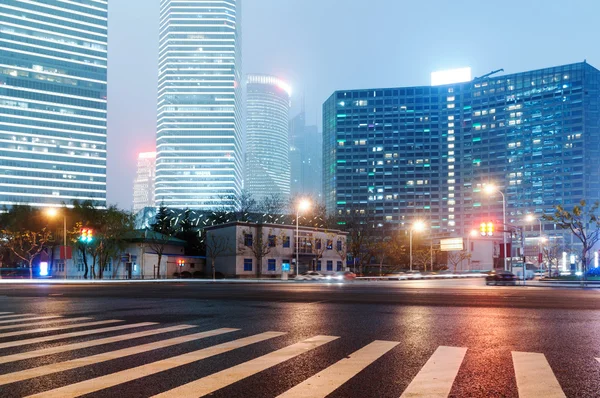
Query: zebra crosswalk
436, 377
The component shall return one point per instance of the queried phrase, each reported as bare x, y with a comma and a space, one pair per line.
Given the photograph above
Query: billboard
452, 244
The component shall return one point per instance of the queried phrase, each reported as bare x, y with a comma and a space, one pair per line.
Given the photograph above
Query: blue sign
285, 267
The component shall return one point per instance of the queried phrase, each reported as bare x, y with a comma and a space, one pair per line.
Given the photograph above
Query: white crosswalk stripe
37, 318
14, 315
535, 377
45, 339
95, 359
214, 382
4, 313
114, 379
88, 344
435, 379
38, 323
324, 383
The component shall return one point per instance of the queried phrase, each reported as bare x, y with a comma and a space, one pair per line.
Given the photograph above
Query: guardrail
412, 278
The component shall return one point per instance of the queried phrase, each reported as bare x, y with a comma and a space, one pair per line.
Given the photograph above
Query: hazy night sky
324, 45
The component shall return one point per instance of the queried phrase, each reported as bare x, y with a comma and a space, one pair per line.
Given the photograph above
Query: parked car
500, 278
310, 276
397, 276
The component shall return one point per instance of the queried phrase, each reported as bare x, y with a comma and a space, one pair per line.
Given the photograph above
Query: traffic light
486, 229
87, 235
181, 263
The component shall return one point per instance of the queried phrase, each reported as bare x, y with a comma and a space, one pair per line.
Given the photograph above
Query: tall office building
143, 186
400, 154
199, 131
306, 146
267, 168
53, 70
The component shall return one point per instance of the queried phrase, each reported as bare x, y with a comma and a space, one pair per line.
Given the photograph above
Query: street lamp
417, 226
52, 213
303, 205
532, 218
490, 190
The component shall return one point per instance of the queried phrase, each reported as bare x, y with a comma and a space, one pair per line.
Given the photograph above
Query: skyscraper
53, 73
400, 154
267, 168
143, 186
199, 129
306, 159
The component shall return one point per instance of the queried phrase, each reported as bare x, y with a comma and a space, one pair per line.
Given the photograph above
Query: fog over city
319, 46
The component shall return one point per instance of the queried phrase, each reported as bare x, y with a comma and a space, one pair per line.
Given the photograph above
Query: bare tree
272, 204
162, 232
216, 246
342, 251
457, 257
583, 222
258, 246
26, 244
422, 257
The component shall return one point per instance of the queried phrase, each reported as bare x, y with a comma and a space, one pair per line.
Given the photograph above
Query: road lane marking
216, 381
37, 318
53, 328
107, 356
327, 381
4, 313
534, 376
88, 344
22, 325
44, 339
114, 379
435, 379
14, 315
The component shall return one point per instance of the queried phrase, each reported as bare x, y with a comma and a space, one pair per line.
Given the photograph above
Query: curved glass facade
267, 169
399, 154
53, 73
199, 136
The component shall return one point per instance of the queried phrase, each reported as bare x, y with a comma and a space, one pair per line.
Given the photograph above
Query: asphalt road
378, 339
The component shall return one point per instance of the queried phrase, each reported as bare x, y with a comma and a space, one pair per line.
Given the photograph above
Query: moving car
310, 276
501, 278
343, 276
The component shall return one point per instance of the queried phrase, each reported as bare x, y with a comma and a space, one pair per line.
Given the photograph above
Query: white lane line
37, 318
534, 376
435, 379
327, 381
22, 325
88, 344
53, 328
44, 339
114, 379
108, 356
4, 313
216, 381
14, 316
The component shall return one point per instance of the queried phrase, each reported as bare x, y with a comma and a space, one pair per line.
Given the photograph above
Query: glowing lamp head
52, 213
473, 232
529, 218
490, 189
418, 226
303, 205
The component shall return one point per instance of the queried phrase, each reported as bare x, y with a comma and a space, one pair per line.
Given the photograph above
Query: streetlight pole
302, 205
491, 189
531, 218
410, 250
418, 226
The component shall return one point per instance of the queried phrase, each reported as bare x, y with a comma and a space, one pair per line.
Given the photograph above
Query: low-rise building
243, 249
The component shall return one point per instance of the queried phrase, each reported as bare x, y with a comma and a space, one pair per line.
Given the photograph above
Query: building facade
306, 145
143, 186
256, 249
53, 74
400, 154
199, 129
267, 167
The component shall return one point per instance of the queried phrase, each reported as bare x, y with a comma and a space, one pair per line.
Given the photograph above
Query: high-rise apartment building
267, 167
306, 146
401, 154
199, 129
143, 186
53, 73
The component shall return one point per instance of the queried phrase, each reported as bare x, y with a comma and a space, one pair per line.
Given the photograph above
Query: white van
517, 269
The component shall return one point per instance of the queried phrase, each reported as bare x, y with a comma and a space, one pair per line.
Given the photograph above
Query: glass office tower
401, 154
267, 168
199, 130
53, 70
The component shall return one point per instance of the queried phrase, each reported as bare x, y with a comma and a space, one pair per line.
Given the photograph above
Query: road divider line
224, 378
37, 318
51, 328
14, 315
88, 344
327, 381
114, 379
45, 339
23, 325
435, 379
104, 357
534, 376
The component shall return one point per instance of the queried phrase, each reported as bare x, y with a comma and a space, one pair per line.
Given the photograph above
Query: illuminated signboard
451, 244
450, 76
